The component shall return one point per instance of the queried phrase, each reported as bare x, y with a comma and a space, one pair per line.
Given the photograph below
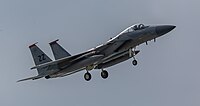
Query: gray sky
167, 75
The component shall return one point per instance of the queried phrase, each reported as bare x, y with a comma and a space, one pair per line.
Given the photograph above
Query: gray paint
95, 57
167, 74
58, 51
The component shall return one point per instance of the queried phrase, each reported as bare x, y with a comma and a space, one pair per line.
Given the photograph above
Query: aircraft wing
31, 78
69, 73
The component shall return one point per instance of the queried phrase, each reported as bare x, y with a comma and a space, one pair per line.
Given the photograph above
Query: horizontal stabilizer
31, 78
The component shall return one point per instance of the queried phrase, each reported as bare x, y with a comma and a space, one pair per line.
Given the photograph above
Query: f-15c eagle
118, 49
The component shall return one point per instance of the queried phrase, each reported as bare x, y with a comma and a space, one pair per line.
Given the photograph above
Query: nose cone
161, 30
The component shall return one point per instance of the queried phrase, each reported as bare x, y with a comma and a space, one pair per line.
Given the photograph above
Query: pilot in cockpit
137, 27
134, 28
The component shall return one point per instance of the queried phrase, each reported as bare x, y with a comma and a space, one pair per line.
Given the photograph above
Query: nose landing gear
134, 62
132, 54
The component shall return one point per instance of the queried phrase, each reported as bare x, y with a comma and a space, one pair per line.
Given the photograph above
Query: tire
134, 62
87, 76
104, 74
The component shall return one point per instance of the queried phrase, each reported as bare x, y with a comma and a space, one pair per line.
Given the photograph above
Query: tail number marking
41, 57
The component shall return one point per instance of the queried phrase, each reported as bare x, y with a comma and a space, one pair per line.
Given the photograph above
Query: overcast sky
167, 73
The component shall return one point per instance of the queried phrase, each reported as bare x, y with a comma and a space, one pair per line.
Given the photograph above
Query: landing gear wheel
134, 62
104, 74
87, 76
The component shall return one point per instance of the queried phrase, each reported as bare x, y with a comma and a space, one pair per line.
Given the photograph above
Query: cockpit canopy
134, 28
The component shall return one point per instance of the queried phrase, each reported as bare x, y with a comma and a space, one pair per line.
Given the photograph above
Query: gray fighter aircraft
118, 49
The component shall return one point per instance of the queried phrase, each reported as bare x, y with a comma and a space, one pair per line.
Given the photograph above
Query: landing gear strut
87, 76
132, 54
104, 74
90, 67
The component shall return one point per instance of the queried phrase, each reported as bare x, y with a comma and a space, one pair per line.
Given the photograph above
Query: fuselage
116, 49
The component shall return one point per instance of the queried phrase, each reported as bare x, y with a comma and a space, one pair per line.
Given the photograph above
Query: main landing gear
88, 76
104, 74
132, 54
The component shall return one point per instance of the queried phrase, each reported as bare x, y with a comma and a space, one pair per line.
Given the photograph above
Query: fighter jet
116, 50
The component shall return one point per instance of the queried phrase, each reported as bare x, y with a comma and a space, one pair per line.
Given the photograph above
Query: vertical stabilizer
39, 57
58, 51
